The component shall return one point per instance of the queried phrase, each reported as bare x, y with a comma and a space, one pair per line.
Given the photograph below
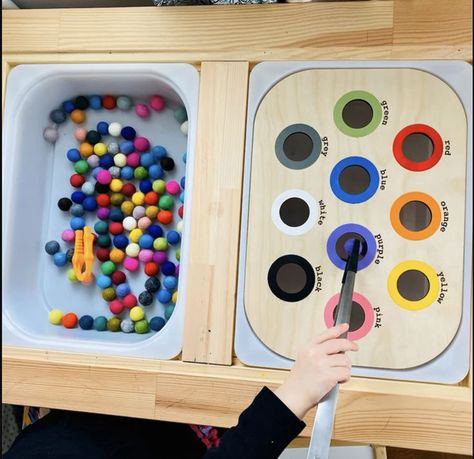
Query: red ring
427, 163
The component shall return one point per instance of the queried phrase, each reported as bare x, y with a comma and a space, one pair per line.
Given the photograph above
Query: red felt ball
128, 189
129, 301
151, 198
109, 102
181, 211
70, 320
103, 200
116, 306
118, 277
115, 228
102, 254
151, 268
165, 216
77, 180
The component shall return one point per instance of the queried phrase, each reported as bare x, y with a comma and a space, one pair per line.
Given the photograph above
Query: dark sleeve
264, 430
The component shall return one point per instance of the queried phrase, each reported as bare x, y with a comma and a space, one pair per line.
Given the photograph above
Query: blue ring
354, 161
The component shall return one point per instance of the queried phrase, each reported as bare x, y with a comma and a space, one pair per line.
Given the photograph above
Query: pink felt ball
172, 187
133, 159
144, 223
141, 144
116, 307
145, 255
131, 264
160, 257
68, 235
157, 103
142, 110
80, 134
104, 177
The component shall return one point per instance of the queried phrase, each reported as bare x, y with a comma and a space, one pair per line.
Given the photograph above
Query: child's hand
319, 366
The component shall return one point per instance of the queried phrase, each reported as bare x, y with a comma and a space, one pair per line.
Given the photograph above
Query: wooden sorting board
399, 337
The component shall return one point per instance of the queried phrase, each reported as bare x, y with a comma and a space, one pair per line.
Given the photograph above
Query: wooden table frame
207, 384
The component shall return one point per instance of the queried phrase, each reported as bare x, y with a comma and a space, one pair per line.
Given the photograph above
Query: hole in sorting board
357, 316
357, 113
294, 212
417, 147
413, 285
415, 216
344, 245
354, 179
291, 278
297, 146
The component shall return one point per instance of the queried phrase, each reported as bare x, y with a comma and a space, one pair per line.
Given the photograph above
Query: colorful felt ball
103, 200
180, 115
145, 298
173, 237
89, 203
126, 146
146, 160
124, 103
104, 177
129, 301
115, 228
181, 211
135, 234
151, 212
95, 102
151, 268
146, 241
123, 290
77, 223
81, 166
86, 149
69, 254
132, 250
78, 116
103, 281
102, 254
137, 313
163, 296
109, 294
174, 297
120, 160
64, 204
160, 257
100, 149
155, 171
172, 187
142, 326
177, 254
169, 311
167, 163
138, 212
55, 316
70, 320
165, 216
145, 255
141, 144
112, 147
118, 277
131, 264
80, 134
77, 197
157, 323
73, 155
144, 223
116, 306
179, 227
117, 255
81, 102
109, 102
86, 322
142, 110
129, 223
127, 326
58, 116
99, 188
168, 268
77, 180
101, 227
128, 189
127, 173
68, 106
108, 267
115, 172
157, 103
93, 137
152, 284
120, 241
140, 173
116, 199
52, 247
138, 198
88, 188
151, 198
113, 324
159, 151
116, 185
68, 235
166, 202
128, 133
160, 243
115, 129
184, 128
100, 323
170, 283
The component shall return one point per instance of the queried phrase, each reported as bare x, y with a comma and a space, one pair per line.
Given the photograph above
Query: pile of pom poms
119, 179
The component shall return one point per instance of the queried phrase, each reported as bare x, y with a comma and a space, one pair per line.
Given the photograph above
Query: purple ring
351, 228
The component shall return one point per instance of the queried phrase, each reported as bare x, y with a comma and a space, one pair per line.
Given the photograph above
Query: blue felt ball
120, 241
68, 106
147, 159
103, 128
128, 133
127, 173
164, 296
181, 196
185, 157
122, 290
173, 237
169, 311
52, 247
77, 210
155, 171
103, 281
77, 223
58, 116
155, 231
60, 259
168, 268
78, 197
116, 215
159, 151
100, 323
157, 323
126, 147
89, 203
145, 241
145, 186
182, 182
106, 161
86, 322
95, 102
170, 283
73, 155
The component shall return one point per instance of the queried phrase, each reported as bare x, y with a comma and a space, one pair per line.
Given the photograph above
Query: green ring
362, 95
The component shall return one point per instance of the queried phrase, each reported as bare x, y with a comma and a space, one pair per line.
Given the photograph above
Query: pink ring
368, 312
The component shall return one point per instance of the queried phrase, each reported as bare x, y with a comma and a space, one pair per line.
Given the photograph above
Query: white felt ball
129, 223
132, 250
115, 129
184, 128
120, 160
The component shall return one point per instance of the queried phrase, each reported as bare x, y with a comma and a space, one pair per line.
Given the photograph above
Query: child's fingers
339, 360
332, 333
335, 346
341, 374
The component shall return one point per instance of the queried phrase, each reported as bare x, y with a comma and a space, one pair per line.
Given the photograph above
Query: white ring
295, 230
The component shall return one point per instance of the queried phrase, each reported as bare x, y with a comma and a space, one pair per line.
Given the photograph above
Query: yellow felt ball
137, 313
100, 149
174, 298
135, 234
55, 316
138, 198
117, 255
71, 275
116, 185
151, 212
127, 207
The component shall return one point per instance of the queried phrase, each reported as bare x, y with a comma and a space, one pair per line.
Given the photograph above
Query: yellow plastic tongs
83, 257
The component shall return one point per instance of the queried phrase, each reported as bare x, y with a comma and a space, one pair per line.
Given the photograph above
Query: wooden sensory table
207, 384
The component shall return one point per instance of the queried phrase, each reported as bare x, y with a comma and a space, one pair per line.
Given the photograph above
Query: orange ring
425, 199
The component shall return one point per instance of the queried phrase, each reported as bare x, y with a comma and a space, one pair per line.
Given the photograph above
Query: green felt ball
124, 103
140, 173
169, 311
100, 323
108, 294
104, 240
166, 202
101, 227
142, 326
160, 243
159, 186
178, 254
81, 166
113, 324
108, 267
180, 115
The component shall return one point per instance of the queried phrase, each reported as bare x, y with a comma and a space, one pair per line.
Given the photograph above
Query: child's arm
274, 418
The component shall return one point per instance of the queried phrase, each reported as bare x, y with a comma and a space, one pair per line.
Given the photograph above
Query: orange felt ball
151, 198
117, 255
165, 216
151, 268
70, 320
86, 149
78, 116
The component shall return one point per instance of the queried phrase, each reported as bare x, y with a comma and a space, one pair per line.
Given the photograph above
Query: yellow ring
427, 270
